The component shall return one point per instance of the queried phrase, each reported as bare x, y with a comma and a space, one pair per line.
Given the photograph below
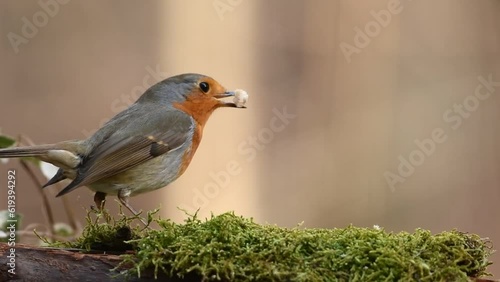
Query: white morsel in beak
48, 169
240, 97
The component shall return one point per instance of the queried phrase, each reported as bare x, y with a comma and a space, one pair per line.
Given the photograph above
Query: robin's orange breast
189, 153
200, 109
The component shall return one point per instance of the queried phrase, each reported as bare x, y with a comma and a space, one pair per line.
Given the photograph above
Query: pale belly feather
149, 176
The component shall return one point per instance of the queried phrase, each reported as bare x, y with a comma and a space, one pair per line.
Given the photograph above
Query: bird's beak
225, 95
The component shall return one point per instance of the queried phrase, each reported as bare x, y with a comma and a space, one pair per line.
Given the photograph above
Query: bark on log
49, 264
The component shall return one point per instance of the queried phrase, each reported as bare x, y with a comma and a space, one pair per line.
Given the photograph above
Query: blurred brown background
364, 82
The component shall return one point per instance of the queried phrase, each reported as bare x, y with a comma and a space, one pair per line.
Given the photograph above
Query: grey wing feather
120, 152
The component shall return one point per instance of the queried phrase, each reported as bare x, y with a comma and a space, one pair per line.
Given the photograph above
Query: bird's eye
204, 87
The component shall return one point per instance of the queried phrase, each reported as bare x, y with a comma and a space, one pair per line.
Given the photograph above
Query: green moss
232, 248
112, 235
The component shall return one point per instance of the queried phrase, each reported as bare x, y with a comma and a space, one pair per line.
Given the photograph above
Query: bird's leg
123, 196
99, 199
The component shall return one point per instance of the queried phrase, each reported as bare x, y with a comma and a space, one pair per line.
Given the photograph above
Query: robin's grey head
195, 94
187, 87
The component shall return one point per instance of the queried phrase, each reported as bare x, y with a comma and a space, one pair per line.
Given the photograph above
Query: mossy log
227, 247
59, 264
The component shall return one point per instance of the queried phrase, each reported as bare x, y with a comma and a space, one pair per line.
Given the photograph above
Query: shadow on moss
232, 248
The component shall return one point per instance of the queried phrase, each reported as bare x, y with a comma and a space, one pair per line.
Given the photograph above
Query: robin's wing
132, 145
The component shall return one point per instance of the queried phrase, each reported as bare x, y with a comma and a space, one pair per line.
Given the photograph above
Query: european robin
143, 148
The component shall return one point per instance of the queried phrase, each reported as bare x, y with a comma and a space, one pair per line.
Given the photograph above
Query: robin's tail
30, 151
63, 155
